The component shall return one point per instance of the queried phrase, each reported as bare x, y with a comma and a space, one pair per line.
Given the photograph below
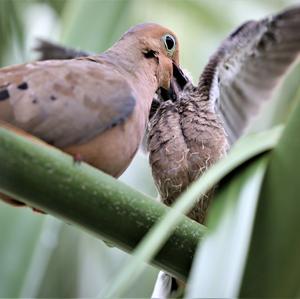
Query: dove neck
129, 59
139, 71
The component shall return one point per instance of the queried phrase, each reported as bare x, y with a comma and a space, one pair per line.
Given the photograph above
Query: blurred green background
39, 255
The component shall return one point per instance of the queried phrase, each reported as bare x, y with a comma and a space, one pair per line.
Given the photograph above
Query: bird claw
77, 159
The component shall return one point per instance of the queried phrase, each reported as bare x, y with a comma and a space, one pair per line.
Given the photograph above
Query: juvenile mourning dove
95, 106
190, 134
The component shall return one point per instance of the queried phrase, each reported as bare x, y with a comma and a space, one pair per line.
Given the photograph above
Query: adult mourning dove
190, 134
95, 106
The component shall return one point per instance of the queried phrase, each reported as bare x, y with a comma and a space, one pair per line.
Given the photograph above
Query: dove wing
64, 102
248, 66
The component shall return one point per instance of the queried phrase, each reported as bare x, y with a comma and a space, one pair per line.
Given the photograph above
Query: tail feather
48, 50
163, 286
166, 286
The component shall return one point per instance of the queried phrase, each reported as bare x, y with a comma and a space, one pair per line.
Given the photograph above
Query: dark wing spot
119, 118
34, 101
23, 86
53, 98
4, 94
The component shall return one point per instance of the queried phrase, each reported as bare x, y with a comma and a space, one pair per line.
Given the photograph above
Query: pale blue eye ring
169, 42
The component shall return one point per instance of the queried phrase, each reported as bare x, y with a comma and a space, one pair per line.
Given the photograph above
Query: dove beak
179, 77
177, 84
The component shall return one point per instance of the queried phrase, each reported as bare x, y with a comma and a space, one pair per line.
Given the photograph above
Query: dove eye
170, 43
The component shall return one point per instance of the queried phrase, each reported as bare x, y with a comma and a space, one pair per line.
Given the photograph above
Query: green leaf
219, 262
19, 235
91, 24
57, 5
11, 28
273, 268
58, 261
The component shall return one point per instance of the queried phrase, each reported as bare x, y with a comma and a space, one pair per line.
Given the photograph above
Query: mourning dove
188, 135
95, 106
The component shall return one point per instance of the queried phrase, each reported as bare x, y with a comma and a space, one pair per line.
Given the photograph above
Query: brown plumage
185, 138
95, 106
190, 134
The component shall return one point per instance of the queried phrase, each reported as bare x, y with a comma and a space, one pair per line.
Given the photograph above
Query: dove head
152, 44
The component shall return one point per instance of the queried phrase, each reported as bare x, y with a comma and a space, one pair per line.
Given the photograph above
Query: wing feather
65, 102
249, 65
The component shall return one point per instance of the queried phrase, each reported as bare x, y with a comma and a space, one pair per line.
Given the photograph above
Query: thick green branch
48, 179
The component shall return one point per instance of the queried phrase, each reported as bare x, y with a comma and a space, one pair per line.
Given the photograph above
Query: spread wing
64, 102
248, 66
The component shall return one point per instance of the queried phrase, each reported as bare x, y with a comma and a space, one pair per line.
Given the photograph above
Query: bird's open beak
179, 77
177, 84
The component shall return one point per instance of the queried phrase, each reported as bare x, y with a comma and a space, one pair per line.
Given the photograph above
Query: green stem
49, 180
